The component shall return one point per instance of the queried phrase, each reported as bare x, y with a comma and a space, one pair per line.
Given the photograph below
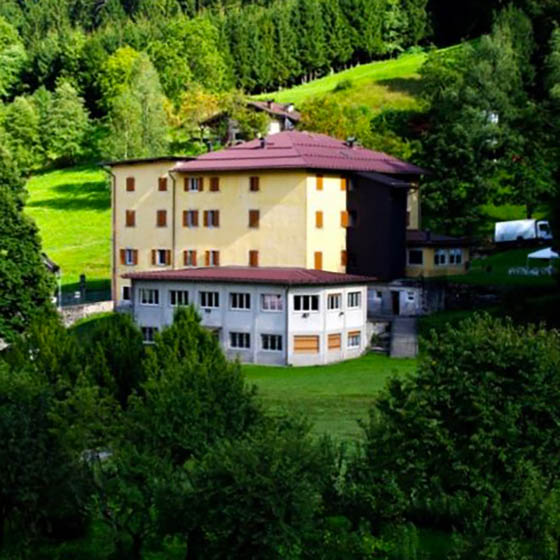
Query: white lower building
280, 316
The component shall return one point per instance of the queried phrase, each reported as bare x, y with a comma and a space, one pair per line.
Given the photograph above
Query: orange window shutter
343, 258
193, 255
123, 256
195, 218
207, 260
319, 182
254, 216
343, 183
162, 186
215, 184
185, 258
205, 218
161, 218
319, 219
135, 256
153, 256
130, 184
201, 184
186, 183
217, 258
253, 258
217, 218
254, 183
344, 218
318, 260
185, 218
168, 257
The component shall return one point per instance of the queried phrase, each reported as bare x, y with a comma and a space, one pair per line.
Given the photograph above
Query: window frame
213, 295
309, 300
350, 297
176, 293
242, 301
279, 298
144, 300
338, 296
159, 253
270, 338
194, 181
354, 336
438, 254
144, 330
244, 336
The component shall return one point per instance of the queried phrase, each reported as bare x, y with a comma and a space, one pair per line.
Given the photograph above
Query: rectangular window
415, 257
354, 338
335, 341
212, 218
254, 218
343, 183
440, 257
148, 334
410, 296
209, 300
271, 342
253, 258
354, 299
130, 257
344, 219
239, 340
318, 260
272, 302
240, 301
378, 295
189, 257
126, 293
161, 257
306, 303
193, 184
190, 218
319, 182
319, 219
130, 184
254, 184
343, 258
212, 258
162, 184
130, 218
148, 296
214, 184
178, 297
161, 220
334, 301
306, 344
455, 256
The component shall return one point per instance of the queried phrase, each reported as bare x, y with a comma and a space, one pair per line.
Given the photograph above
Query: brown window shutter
123, 256
185, 218
168, 257
162, 184
201, 184
195, 218
217, 258
205, 218
153, 257
319, 182
319, 219
217, 218
185, 184
207, 260
161, 218
194, 258
254, 183
185, 257
135, 256
318, 260
130, 218
343, 183
253, 258
130, 186
344, 218
343, 258
254, 217
214, 184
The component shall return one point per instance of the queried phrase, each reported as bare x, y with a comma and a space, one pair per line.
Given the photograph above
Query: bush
343, 85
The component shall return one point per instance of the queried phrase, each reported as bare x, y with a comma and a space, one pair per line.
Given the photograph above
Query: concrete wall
72, 313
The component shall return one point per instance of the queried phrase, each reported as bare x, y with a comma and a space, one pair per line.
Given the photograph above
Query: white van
517, 230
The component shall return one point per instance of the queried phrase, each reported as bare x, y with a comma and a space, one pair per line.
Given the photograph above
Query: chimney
269, 103
350, 141
262, 140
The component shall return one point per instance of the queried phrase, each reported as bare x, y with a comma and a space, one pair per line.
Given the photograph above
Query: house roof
277, 109
418, 238
144, 160
298, 150
285, 276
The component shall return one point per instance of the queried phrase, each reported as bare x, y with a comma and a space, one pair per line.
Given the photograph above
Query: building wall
429, 269
413, 209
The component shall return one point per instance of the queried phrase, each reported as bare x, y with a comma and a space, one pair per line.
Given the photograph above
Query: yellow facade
413, 209
287, 232
430, 270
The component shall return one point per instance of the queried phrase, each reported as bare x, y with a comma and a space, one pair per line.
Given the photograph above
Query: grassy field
72, 209
334, 397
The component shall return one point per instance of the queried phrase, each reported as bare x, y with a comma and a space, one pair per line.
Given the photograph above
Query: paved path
404, 338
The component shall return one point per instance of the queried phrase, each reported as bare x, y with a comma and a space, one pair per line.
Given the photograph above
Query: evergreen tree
12, 58
339, 34
311, 45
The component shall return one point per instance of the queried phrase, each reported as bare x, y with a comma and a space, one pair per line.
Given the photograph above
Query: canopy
547, 253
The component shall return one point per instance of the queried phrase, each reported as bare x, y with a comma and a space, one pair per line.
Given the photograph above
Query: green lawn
334, 397
72, 208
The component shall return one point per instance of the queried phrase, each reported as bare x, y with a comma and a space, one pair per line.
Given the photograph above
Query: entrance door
396, 301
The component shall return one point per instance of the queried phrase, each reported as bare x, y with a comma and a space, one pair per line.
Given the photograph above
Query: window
193, 184
306, 303
161, 257
162, 184
212, 258
354, 338
161, 220
272, 302
319, 219
148, 296
415, 256
239, 340
214, 184
178, 297
334, 301
189, 257
319, 182
410, 296
212, 218
129, 257
343, 258
240, 301
209, 300
306, 344
455, 256
318, 260
354, 299
271, 342
130, 218
126, 293
343, 183
253, 258
130, 186
254, 218
148, 334
344, 219
254, 184
378, 295
335, 341
440, 257
190, 218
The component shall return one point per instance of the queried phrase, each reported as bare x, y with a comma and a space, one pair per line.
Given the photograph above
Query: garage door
306, 344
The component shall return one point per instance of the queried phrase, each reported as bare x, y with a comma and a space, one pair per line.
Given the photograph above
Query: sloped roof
277, 109
298, 150
284, 276
144, 160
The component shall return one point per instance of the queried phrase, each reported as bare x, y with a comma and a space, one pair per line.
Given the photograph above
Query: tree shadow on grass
92, 195
409, 86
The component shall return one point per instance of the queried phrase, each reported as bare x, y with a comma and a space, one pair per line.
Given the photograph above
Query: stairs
404, 338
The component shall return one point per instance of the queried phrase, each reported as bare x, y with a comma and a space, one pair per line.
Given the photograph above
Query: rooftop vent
350, 141
262, 140
290, 107
269, 103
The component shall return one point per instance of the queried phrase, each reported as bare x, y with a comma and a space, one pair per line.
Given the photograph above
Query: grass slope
72, 208
334, 397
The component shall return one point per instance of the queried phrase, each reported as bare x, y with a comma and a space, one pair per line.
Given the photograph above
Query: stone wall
72, 313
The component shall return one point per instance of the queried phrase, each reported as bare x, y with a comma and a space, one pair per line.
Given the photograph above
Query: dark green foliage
471, 441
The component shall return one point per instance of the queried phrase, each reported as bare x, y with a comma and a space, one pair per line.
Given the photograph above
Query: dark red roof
277, 109
286, 276
417, 238
298, 150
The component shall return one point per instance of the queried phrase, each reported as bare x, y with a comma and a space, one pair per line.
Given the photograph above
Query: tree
12, 58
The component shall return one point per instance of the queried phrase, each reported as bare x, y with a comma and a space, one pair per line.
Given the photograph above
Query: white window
306, 303
455, 256
440, 257
161, 257
272, 302
148, 334
148, 296
415, 257
213, 218
213, 258
354, 299
239, 340
240, 301
354, 339
334, 301
178, 297
129, 257
190, 258
410, 296
209, 299
194, 183
191, 218
271, 342
126, 293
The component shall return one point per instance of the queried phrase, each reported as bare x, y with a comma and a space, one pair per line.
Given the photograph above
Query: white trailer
518, 230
